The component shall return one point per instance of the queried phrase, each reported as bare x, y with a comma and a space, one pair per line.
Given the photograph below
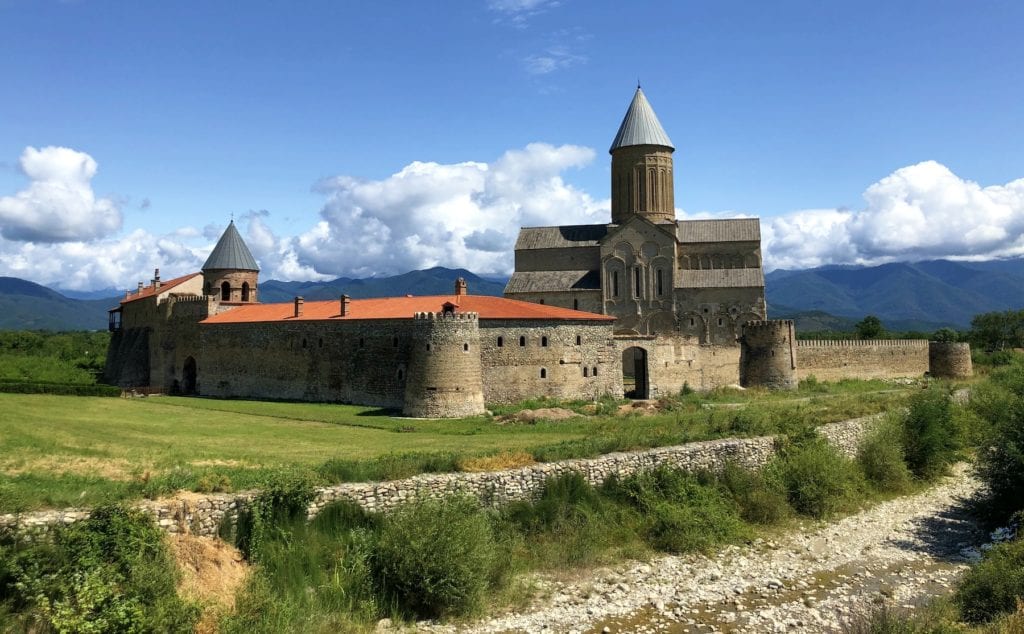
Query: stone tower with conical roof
642, 183
230, 273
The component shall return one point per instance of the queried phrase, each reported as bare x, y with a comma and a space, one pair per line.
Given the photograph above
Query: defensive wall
834, 360
204, 514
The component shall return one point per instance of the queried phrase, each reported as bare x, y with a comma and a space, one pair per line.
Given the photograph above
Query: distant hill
435, 281
920, 295
26, 305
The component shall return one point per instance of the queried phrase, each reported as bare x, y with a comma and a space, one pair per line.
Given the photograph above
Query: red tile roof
485, 306
149, 291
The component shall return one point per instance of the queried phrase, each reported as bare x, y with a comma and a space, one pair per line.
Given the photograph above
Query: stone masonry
204, 514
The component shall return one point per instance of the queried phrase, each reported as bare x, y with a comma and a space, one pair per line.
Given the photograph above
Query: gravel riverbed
900, 552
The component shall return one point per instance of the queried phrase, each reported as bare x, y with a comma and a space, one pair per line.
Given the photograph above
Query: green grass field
65, 450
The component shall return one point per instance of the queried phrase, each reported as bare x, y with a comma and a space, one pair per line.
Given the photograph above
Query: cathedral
680, 290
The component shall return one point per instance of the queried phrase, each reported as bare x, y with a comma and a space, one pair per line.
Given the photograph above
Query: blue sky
362, 138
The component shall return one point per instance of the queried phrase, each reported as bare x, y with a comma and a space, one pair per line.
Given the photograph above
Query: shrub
1000, 458
680, 513
815, 477
931, 440
759, 501
880, 456
434, 558
110, 572
992, 587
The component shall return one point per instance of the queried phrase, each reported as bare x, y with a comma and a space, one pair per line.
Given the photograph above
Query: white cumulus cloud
918, 212
455, 215
59, 204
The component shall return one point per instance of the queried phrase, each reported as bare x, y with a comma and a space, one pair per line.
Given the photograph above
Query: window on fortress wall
543, 373
586, 371
428, 347
362, 342
321, 342
659, 284
245, 291
225, 292
692, 322
719, 321
636, 282
303, 342
465, 347
575, 304
615, 283
522, 342
501, 342
579, 340
544, 342
394, 342
594, 371
401, 374
541, 301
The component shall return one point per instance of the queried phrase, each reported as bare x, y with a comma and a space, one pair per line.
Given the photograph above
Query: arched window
401, 374
543, 342
579, 340
522, 341
615, 283
501, 342
225, 292
540, 301
543, 373
636, 281
659, 282
586, 371
465, 347
595, 371
245, 291
575, 304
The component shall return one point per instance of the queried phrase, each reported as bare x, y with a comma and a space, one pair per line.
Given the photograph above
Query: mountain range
906, 296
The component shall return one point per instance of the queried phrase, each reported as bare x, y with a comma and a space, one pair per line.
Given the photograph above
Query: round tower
230, 274
444, 374
949, 360
768, 354
642, 182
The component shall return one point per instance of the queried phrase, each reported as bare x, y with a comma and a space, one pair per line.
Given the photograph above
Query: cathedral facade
680, 290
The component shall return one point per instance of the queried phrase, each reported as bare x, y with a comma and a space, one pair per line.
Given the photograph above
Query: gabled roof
545, 281
150, 291
721, 278
560, 237
485, 306
231, 253
728, 230
640, 126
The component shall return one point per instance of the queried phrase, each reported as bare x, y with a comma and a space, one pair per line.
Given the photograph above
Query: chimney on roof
127, 293
298, 306
156, 279
140, 287
345, 301
460, 286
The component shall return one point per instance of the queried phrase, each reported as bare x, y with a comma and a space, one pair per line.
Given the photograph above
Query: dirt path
903, 551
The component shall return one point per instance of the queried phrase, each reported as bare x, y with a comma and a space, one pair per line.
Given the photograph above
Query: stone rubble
900, 552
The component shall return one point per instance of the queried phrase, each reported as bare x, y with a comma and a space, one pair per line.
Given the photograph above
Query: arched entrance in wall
225, 292
634, 373
188, 376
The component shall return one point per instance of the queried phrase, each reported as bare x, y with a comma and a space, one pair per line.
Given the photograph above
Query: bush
434, 558
880, 456
816, 478
110, 572
992, 587
65, 389
759, 501
680, 514
931, 439
1000, 459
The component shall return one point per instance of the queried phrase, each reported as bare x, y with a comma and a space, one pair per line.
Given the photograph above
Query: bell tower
230, 273
642, 182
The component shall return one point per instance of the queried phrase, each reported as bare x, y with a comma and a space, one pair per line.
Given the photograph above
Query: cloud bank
468, 215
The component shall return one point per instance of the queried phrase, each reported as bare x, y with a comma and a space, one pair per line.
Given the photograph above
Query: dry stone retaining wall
204, 514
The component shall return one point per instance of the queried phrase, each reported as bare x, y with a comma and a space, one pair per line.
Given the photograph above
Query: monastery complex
662, 302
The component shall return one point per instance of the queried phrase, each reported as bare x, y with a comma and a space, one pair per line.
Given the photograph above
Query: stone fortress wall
829, 360
204, 514
444, 377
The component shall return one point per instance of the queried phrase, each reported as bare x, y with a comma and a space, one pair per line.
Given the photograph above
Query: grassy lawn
65, 450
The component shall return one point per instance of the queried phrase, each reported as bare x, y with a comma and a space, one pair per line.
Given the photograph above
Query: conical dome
640, 126
231, 253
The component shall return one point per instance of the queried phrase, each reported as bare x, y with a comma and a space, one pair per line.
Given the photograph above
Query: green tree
869, 328
947, 335
998, 330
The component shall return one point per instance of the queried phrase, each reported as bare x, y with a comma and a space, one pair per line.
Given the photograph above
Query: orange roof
149, 291
485, 306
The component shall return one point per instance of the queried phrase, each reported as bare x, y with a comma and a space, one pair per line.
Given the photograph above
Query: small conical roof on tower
640, 126
231, 253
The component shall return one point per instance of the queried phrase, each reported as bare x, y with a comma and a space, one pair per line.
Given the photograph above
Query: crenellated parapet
768, 354
862, 343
